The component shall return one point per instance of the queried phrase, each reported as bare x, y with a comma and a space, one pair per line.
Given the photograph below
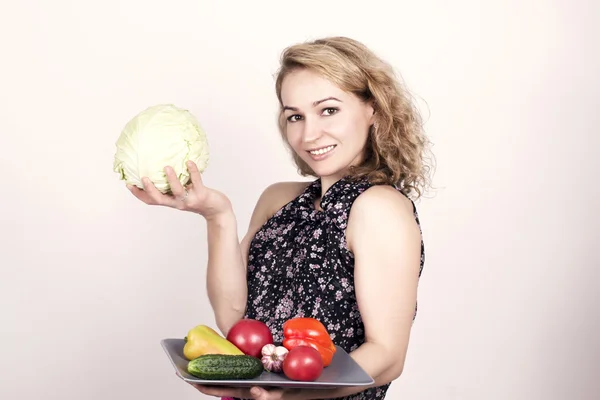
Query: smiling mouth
322, 150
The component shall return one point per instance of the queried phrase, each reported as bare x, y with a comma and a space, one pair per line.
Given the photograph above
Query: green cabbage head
161, 135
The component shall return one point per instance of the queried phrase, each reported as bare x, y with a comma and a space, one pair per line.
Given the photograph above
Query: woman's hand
256, 393
195, 197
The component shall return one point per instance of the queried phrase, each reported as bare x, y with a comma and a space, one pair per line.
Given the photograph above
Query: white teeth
322, 151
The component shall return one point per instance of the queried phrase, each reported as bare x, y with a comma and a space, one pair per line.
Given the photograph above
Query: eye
330, 111
293, 118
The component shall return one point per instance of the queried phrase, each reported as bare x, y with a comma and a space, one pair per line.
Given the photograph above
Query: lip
319, 157
321, 147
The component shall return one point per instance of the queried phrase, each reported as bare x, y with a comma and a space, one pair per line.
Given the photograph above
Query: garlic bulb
273, 356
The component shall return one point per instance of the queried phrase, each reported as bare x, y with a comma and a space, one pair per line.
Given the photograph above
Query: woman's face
325, 126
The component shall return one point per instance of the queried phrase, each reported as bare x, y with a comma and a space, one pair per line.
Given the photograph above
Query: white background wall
92, 279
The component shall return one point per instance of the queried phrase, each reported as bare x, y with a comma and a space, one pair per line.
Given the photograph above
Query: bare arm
226, 271
386, 243
228, 259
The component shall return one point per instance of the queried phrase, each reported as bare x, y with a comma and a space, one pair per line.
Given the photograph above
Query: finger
221, 391
176, 187
140, 194
156, 196
258, 393
195, 175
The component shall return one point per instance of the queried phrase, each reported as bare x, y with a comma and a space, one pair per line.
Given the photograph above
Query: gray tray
343, 371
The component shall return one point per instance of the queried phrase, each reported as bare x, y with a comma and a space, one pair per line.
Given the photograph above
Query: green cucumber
225, 366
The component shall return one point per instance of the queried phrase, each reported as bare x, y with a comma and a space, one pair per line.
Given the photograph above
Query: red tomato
250, 336
303, 363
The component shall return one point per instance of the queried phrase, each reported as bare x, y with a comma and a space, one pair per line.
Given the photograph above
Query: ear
371, 112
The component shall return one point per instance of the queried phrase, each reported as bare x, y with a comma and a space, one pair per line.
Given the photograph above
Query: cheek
293, 136
349, 133
359, 130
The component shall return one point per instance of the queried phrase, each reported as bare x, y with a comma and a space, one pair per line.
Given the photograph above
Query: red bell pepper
309, 332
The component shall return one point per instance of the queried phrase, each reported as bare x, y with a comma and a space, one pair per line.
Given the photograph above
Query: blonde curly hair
396, 147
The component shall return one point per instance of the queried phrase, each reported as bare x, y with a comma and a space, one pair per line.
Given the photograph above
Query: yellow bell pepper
202, 340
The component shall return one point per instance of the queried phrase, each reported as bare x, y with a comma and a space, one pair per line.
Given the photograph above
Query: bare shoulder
279, 194
270, 201
285, 190
384, 209
383, 199
273, 198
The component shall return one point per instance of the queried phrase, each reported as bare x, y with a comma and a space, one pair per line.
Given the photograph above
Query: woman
345, 248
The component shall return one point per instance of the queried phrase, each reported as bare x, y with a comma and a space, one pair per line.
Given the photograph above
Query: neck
327, 182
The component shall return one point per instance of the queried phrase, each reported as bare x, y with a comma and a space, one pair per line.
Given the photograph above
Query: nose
312, 130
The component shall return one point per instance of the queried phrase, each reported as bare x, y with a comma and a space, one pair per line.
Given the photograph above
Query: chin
332, 166
323, 170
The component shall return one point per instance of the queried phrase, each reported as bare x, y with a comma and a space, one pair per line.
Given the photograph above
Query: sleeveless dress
300, 266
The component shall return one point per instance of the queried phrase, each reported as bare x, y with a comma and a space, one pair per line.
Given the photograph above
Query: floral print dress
300, 266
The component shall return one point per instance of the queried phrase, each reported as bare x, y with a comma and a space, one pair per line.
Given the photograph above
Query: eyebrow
315, 103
